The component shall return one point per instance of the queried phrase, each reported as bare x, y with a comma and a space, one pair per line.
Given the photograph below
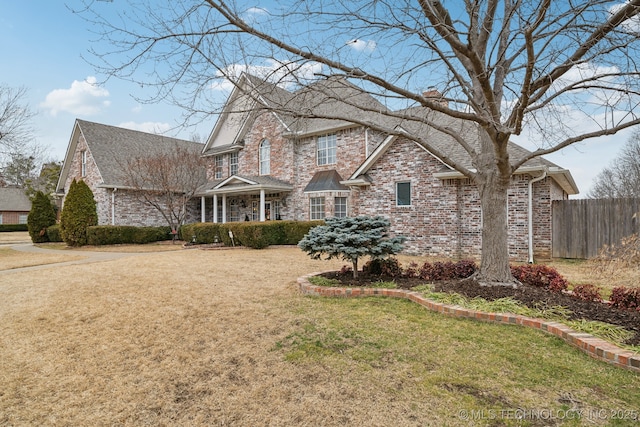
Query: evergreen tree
41, 216
78, 213
351, 238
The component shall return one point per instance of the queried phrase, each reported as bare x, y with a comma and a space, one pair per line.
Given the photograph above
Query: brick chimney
433, 94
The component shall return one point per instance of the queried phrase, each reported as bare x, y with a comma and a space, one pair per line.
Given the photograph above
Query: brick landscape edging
594, 347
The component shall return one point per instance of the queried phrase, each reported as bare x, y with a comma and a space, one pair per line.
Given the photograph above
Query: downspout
113, 206
540, 178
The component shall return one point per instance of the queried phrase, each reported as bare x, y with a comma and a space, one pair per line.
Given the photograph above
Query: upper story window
218, 167
233, 163
403, 194
265, 157
326, 149
83, 163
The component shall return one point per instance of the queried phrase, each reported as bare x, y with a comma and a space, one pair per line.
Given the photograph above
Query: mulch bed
529, 296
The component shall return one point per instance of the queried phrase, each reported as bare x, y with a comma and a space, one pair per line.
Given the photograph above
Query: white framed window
265, 157
233, 164
316, 208
326, 149
83, 163
0, 218
22, 218
403, 194
340, 207
218, 167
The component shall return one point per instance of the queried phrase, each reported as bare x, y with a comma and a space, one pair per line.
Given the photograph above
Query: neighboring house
98, 154
268, 160
14, 206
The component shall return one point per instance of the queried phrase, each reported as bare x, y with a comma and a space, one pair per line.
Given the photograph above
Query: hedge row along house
278, 154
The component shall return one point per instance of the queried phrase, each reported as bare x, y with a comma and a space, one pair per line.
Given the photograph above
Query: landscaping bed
529, 296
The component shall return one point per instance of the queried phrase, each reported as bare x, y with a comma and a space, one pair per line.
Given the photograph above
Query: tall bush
41, 216
79, 213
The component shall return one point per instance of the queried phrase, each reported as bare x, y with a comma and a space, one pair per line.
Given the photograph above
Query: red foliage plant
540, 276
625, 298
587, 292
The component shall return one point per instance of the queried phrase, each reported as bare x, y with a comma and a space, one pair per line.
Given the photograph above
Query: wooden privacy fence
582, 227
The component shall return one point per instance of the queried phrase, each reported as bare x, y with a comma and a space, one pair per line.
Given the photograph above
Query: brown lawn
223, 337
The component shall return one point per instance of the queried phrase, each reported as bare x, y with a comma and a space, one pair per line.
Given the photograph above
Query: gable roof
14, 199
112, 147
245, 185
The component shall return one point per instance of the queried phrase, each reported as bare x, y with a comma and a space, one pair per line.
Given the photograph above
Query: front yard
223, 337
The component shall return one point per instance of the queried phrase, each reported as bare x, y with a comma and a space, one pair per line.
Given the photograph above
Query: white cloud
149, 127
362, 45
82, 98
282, 73
631, 25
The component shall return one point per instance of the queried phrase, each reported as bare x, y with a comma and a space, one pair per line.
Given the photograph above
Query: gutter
540, 178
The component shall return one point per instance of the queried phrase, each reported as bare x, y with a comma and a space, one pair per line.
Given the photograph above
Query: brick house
14, 205
268, 160
98, 153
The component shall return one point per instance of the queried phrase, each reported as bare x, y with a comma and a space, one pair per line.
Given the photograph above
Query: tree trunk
493, 181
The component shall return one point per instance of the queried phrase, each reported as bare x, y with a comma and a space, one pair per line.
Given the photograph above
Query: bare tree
622, 177
15, 120
166, 180
564, 71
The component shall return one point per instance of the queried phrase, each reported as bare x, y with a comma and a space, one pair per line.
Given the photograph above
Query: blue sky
43, 43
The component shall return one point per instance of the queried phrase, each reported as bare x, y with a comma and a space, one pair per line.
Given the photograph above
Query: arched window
265, 157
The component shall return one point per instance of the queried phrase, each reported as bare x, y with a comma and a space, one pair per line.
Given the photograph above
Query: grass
224, 338
10, 259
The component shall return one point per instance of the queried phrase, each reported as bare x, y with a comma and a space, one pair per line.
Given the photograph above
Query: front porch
244, 199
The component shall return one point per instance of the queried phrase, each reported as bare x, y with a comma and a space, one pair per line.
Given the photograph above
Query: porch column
215, 208
262, 215
224, 208
202, 210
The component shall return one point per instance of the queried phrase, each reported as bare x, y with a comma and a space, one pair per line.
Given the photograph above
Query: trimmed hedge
257, 235
54, 234
124, 234
8, 228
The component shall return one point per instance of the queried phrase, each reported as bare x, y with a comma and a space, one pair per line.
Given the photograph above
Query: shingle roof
325, 181
14, 200
112, 147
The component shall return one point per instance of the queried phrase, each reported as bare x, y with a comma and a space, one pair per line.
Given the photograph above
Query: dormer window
326, 149
265, 157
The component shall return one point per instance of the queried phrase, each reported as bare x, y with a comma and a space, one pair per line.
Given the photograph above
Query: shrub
625, 298
351, 238
8, 228
245, 233
125, 234
447, 270
41, 216
79, 213
387, 267
587, 292
53, 233
540, 276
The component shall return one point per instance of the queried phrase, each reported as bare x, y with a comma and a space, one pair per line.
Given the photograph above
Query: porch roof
237, 184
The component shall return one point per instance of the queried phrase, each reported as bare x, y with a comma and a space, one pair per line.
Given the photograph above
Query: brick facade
443, 218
